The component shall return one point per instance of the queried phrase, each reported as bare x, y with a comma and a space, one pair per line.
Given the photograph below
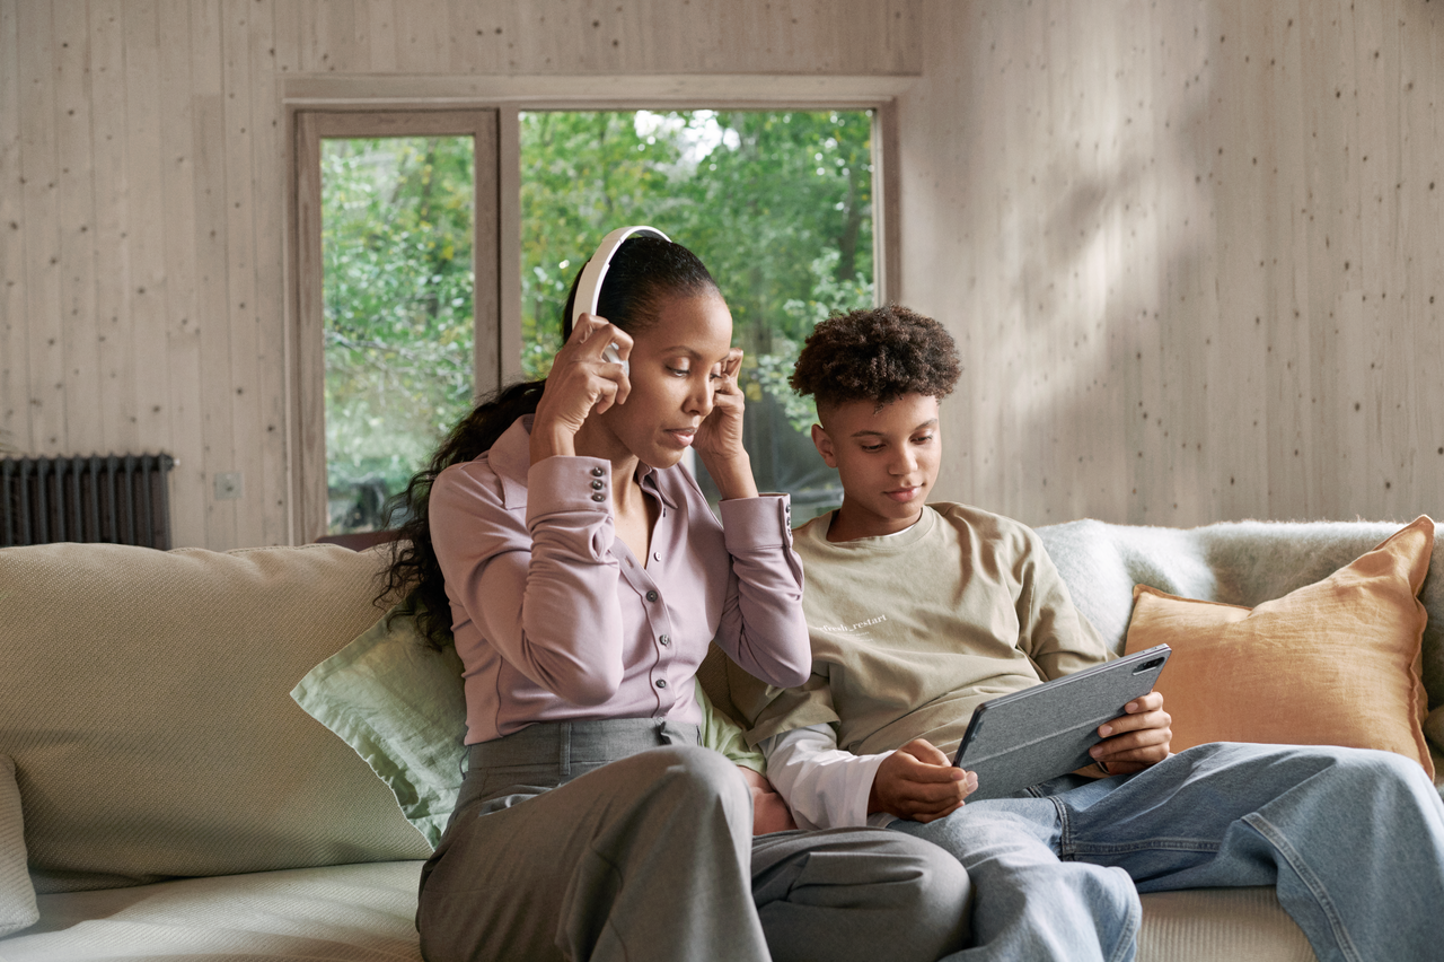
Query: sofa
171, 799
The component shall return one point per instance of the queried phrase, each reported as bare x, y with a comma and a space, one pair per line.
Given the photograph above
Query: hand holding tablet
1042, 732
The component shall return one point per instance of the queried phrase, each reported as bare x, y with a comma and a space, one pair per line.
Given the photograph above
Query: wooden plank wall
143, 180
1189, 249
1191, 252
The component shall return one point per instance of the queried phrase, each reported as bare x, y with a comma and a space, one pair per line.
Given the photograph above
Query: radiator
117, 499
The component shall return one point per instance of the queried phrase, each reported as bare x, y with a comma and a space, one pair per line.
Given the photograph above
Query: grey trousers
622, 840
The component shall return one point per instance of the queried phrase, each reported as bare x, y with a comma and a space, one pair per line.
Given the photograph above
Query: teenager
583, 576
918, 613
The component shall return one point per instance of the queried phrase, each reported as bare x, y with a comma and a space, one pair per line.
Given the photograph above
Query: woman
584, 576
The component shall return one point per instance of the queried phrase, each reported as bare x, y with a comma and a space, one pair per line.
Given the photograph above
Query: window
398, 216
396, 239
778, 205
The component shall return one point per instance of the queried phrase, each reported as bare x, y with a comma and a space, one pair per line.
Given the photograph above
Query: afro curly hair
877, 355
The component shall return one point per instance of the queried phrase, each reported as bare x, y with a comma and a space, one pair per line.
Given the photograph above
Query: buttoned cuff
567, 485
761, 522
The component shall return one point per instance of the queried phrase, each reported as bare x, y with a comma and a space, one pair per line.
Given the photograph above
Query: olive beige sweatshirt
910, 632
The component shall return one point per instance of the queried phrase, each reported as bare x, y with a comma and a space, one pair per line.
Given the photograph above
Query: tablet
1039, 733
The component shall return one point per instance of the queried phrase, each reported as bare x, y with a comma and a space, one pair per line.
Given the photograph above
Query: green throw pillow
401, 705
17, 895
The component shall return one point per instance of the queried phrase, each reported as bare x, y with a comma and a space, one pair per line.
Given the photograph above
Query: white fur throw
1238, 563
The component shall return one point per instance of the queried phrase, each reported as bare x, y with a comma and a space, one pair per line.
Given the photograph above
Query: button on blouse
550, 623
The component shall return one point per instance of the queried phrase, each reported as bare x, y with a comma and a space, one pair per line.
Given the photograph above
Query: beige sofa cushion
144, 698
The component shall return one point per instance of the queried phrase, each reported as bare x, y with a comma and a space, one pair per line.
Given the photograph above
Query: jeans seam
1311, 881
1146, 845
1127, 946
1070, 849
1065, 828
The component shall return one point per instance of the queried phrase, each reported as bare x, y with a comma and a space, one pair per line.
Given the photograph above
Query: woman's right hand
581, 382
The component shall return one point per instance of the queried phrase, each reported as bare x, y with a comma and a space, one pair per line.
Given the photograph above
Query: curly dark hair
645, 272
876, 355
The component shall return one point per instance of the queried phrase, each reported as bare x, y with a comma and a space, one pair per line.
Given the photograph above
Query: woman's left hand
719, 438
1137, 739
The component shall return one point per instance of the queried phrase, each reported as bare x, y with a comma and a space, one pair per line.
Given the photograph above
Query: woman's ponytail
414, 566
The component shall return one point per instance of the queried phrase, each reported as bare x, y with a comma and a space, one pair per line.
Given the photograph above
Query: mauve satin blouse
555, 620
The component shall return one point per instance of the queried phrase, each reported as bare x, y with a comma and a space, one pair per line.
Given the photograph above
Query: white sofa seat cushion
17, 895
347, 913
1219, 925
364, 913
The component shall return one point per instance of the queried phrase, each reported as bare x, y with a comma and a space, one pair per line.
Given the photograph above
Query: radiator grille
116, 498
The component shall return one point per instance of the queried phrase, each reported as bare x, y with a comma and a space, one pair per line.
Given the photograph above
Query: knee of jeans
1105, 885
1026, 829
1375, 769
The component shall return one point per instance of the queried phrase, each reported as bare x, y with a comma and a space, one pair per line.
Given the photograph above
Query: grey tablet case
1039, 733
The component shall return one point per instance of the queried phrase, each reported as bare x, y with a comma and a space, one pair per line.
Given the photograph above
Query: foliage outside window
397, 253
778, 205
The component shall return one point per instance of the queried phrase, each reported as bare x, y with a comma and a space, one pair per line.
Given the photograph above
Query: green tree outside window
777, 204
396, 238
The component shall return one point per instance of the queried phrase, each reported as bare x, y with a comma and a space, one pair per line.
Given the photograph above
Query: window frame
308, 450
307, 99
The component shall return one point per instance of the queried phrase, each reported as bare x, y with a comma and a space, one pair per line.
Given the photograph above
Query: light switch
230, 485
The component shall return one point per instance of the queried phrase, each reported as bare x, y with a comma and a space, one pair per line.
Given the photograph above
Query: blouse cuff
566, 485
761, 522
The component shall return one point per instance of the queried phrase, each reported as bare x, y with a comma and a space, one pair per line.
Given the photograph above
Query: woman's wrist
732, 476
550, 441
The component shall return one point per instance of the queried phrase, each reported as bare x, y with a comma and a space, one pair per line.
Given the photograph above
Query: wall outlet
230, 485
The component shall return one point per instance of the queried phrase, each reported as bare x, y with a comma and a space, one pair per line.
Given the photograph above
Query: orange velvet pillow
1333, 663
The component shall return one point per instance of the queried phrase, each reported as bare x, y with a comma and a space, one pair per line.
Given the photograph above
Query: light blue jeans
1353, 839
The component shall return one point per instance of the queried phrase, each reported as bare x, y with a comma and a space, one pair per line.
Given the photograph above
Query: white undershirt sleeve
825, 786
